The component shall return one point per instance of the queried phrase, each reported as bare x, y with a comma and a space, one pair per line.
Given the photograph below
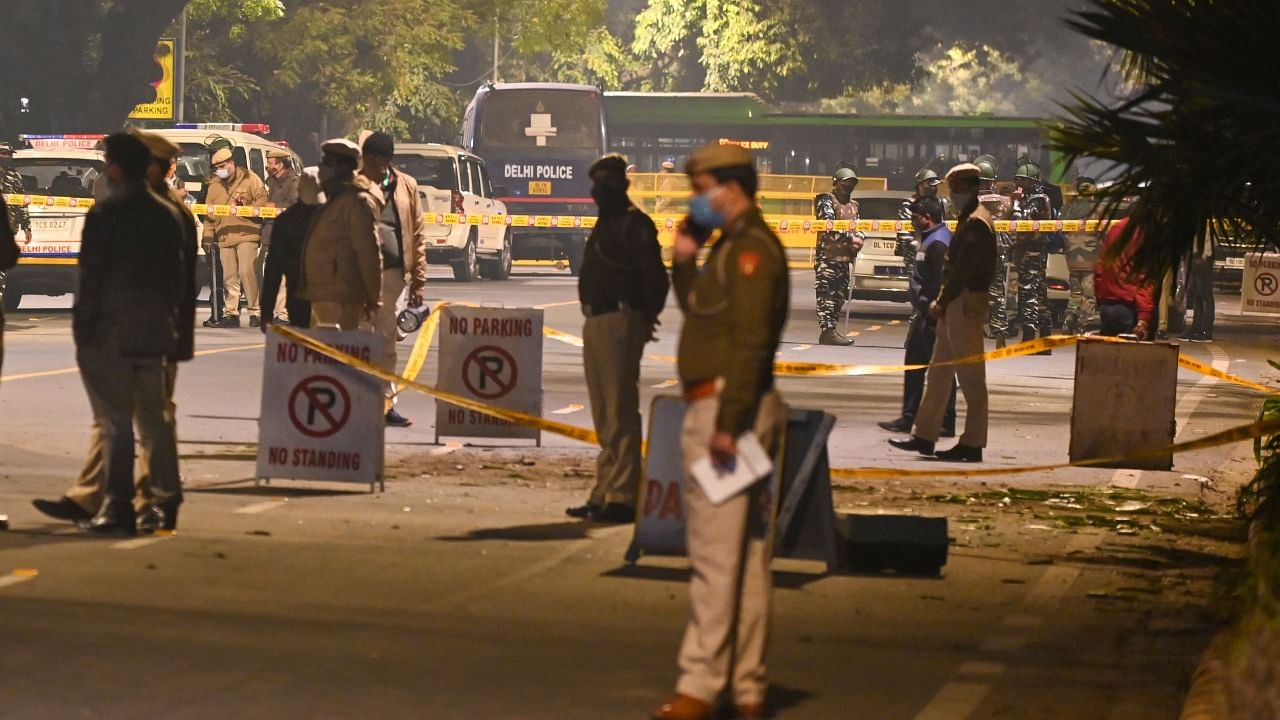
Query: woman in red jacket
1125, 295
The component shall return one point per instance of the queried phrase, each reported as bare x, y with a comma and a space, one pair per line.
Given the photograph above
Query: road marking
954, 700
448, 448
1191, 401
1058, 579
802, 348
18, 576
665, 384
895, 322
548, 306
979, 667
69, 371
874, 328
139, 542
567, 409
261, 507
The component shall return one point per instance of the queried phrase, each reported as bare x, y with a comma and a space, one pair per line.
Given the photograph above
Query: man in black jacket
125, 323
926, 215
285, 259
623, 288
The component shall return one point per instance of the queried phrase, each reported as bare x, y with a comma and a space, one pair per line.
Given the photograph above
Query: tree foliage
1195, 143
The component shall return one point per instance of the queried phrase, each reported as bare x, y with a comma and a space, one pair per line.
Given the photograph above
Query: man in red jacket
1124, 295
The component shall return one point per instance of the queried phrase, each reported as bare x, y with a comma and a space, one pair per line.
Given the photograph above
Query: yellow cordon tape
781, 224
519, 418
1226, 437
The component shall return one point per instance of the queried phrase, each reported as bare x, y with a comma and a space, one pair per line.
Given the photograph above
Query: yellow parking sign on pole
162, 107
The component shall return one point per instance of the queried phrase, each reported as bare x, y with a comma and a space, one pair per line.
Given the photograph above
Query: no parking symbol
319, 406
490, 372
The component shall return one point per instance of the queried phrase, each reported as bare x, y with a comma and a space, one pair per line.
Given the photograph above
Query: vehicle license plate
1235, 262
884, 245
50, 224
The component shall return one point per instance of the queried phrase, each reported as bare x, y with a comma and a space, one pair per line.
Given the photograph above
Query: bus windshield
540, 118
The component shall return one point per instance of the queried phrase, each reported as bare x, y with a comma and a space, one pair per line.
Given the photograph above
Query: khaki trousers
729, 552
259, 267
384, 323
237, 268
612, 346
344, 316
959, 335
123, 391
87, 492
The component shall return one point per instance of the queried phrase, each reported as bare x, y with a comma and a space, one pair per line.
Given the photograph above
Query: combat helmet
845, 173
927, 175
1027, 170
986, 167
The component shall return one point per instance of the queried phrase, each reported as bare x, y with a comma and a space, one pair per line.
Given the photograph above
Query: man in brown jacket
403, 239
342, 258
237, 237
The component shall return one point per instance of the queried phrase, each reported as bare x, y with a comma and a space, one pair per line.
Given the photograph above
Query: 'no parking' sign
493, 356
320, 420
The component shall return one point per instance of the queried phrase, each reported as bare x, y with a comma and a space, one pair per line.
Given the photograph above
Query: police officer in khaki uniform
735, 306
237, 238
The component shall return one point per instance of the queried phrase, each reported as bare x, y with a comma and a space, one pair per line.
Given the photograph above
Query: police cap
342, 147
278, 154
716, 157
161, 148
220, 155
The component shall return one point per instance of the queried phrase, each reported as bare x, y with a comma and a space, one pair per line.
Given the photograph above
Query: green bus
650, 128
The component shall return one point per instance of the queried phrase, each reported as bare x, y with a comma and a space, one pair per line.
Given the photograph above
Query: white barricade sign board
492, 356
660, 516
1260, 285
1124, 400
320, 419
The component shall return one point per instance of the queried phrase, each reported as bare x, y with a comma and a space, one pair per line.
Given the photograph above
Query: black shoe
960, 453
211, 322
831, 336
113, 520
947, 433
63, 508
901, 425
1201, 337
583, 512
614, 513
920, 445
395, 419
229, 321
149, 520
254, 321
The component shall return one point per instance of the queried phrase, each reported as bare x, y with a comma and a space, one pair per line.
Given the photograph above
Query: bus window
531, 118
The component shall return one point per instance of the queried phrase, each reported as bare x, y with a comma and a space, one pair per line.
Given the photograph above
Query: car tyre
499, 268
467, 268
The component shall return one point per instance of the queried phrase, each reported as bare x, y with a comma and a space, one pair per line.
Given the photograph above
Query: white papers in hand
721, 483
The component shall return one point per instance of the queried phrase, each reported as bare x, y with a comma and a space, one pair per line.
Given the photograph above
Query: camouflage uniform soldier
1030, 252
1082, 252
833, 255
1003, 292
11, 184
927, 182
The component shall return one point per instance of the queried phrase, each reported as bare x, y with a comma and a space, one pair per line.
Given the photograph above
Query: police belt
591, 310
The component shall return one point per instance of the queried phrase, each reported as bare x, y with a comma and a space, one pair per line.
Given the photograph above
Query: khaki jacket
341, 257
228, 230
413, 231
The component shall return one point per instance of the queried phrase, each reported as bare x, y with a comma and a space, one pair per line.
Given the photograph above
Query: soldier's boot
832, 336
1045, 331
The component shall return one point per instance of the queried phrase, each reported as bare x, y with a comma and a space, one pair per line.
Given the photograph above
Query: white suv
453, 181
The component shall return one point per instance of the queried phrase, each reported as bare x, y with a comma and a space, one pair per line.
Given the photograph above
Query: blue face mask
703, 213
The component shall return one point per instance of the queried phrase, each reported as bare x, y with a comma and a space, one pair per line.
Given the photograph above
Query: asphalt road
462, 592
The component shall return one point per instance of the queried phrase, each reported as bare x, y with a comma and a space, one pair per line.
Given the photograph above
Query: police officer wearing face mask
623, 287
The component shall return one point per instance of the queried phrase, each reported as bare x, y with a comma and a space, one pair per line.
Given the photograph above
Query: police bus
538, 141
